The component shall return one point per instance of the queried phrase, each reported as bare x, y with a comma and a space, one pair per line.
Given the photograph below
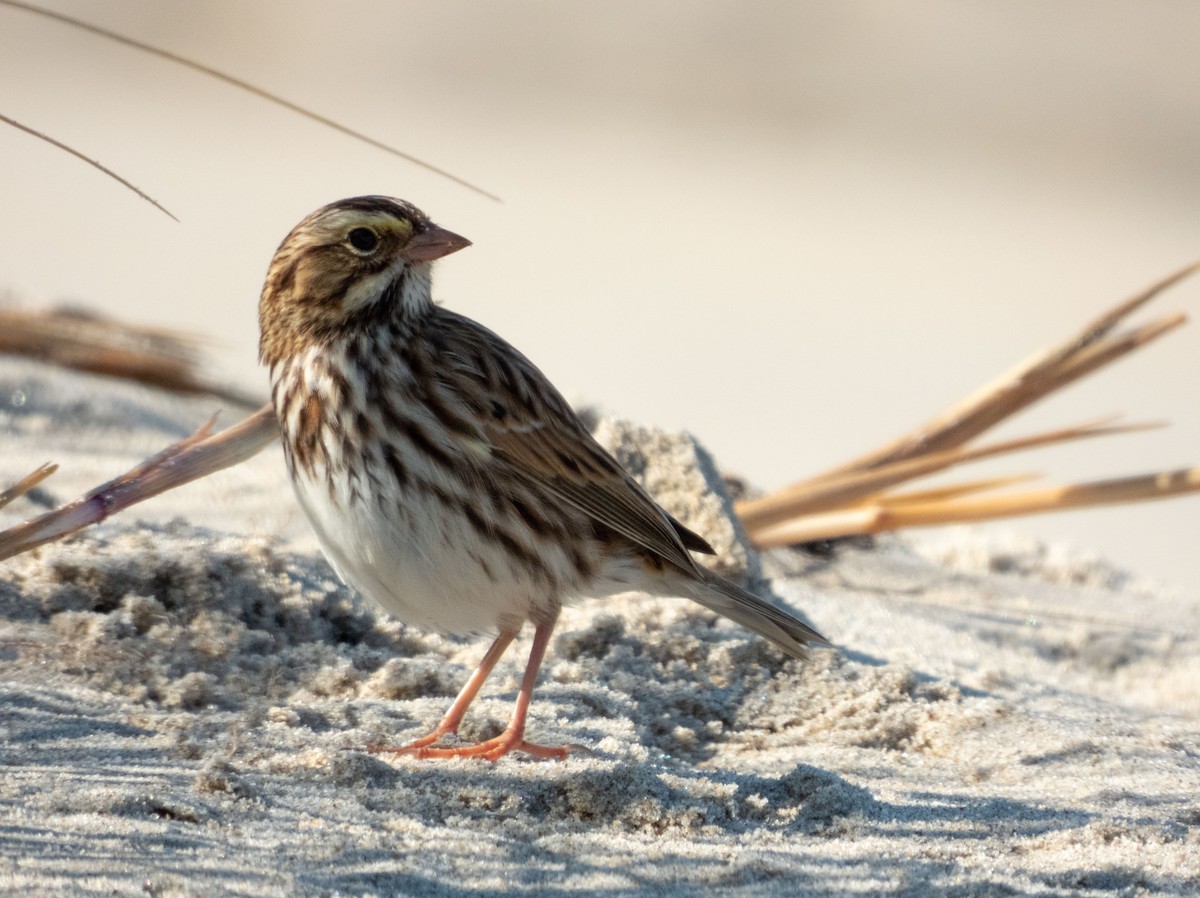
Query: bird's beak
433, 243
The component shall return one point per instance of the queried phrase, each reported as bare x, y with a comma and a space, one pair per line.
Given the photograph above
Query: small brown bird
444, 475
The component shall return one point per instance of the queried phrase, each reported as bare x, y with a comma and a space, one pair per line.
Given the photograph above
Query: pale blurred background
796, 229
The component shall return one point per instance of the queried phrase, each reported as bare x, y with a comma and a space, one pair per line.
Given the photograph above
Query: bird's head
347, 265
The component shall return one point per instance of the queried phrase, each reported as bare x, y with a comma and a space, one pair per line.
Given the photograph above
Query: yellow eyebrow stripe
338, 223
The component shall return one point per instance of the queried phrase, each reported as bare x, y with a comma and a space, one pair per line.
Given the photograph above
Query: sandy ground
186, 695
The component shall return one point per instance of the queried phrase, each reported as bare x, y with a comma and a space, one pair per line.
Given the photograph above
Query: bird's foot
489, 749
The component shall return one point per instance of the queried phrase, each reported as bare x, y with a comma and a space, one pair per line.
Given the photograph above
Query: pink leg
466, 695
513, 737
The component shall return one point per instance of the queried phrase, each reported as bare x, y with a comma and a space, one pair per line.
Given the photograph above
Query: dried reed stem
828, 492
102, 346
850, 499
1028, 382
241, 85
190, 459
92, 162
26, 483
871, 519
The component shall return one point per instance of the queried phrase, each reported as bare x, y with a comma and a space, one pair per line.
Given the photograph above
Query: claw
488, 750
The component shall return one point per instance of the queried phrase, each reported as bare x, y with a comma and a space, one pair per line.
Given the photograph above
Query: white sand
185, 705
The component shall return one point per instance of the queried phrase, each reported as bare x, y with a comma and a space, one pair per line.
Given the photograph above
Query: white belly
424, 563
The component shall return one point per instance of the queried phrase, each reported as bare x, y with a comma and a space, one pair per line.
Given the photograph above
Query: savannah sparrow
444, 475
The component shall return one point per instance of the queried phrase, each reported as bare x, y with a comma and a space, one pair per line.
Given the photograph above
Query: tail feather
742, 607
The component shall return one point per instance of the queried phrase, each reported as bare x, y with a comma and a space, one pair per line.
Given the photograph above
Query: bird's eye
363, 239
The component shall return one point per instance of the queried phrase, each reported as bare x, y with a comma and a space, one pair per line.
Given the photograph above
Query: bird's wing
534, 432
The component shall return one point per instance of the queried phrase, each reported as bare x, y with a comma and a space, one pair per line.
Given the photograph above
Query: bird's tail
742, 607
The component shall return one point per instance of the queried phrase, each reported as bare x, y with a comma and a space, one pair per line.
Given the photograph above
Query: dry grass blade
953, 491
851, 500
1119, 312
197, 456
813, 528
880, 518
92, 162
26, 483
102, 346
242, 85
1025, 384
1100, 353
824, 494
